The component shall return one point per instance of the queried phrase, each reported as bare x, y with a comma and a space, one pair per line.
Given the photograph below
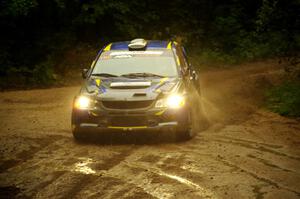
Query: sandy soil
242, 151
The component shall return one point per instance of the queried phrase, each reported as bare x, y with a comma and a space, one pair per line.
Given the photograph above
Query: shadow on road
125, 138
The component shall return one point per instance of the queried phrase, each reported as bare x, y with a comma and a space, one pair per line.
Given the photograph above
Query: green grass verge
284, 99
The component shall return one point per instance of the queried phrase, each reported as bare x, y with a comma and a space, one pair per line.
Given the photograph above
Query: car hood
127, 89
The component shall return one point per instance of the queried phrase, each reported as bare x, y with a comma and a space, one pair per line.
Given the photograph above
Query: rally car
138, 85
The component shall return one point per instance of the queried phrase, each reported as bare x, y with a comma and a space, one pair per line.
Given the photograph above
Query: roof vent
137, 44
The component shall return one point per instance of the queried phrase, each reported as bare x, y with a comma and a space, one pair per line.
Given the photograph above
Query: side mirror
84, 73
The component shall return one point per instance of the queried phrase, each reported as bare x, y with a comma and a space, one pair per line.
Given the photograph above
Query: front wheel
185, 132
184, 135
78, 135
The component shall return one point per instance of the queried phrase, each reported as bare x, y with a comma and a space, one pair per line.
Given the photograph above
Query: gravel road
242, 150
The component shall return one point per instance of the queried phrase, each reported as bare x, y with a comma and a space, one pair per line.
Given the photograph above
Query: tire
78, 135
185, 131
184, 135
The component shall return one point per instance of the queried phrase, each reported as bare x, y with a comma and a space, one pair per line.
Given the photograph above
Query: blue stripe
119, 46
150, 45
157, 44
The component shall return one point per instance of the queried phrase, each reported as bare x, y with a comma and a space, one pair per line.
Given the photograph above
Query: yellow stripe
158, 90
127, 127
107, 48
160, 112
178, 61
169, 45
94, 114
163, 80
93, 63
98, 82
160, 83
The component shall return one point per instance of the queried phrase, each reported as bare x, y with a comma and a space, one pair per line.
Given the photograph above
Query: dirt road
243, 151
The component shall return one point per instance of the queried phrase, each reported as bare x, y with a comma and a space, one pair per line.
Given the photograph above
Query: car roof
151, 44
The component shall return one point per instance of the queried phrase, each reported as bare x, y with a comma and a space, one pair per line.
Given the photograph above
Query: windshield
156, 62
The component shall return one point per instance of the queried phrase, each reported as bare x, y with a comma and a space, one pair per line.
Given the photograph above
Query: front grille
126, 104
129, 121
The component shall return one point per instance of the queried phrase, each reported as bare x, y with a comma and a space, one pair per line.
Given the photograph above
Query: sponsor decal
136, 53
133, 84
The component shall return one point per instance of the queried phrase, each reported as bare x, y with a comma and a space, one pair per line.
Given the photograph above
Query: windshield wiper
104, 75
141, 75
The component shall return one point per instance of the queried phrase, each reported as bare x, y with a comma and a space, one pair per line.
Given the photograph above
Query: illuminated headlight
173, 101
82, 102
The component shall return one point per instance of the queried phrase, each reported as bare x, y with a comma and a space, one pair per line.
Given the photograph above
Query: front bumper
95, 128
129, 120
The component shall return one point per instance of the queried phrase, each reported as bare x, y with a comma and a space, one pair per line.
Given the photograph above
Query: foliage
43, 73
15, 8
285, 99
34, 31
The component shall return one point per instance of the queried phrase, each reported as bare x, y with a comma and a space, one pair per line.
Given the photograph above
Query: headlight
82, 102
173, 101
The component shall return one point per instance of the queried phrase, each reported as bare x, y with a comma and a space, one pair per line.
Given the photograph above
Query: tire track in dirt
34, 146
54, 170
260, 148
266, 180
142, 170
251, 142
227, 159
267, 163
68, 184
233, 161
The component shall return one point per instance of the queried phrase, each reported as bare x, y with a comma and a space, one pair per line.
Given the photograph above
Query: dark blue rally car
138, 85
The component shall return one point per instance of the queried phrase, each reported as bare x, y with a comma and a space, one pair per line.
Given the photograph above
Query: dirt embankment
242, 150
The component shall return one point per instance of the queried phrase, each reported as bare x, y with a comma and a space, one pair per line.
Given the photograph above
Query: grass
285, 99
